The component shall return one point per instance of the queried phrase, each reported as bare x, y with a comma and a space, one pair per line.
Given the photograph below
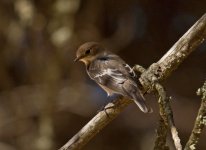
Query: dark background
45, 98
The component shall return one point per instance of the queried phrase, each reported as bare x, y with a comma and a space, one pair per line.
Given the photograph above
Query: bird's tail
140, 102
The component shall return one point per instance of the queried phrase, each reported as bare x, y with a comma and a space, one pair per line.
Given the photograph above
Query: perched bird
111, 72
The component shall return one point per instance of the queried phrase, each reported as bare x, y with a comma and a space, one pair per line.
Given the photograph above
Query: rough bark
156, 72
200, 122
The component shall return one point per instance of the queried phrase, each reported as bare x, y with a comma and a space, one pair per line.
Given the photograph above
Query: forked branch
155, 73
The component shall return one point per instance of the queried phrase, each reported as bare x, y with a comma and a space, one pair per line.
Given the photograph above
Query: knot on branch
149, 77
150, 81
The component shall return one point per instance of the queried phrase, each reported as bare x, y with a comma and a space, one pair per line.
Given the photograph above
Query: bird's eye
87, 51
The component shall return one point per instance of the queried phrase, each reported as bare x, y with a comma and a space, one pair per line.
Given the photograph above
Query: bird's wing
117, 76
112, 73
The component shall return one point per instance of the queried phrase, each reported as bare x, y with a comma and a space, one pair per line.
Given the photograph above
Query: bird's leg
139, 69
145, 92
113, 100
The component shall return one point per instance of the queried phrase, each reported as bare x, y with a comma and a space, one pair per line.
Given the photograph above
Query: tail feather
130, 89
140, 102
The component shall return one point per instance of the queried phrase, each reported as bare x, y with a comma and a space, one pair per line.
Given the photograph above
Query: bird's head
88, 52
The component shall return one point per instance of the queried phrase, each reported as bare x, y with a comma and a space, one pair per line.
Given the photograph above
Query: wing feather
111, 73
118, 77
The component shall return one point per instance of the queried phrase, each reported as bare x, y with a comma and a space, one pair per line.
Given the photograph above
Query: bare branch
167, 115
160, 142
96, 124
200, 122
166, 118
161, 70
183, 47
179, 52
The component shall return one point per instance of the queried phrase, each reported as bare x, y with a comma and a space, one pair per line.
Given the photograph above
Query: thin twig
166, 118
160, 142
200, 122
188, 43
167, 115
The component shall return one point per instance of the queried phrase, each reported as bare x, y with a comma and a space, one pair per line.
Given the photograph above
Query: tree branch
177, 53
167, 115
161, 70
160, 142
103, 118
200, 122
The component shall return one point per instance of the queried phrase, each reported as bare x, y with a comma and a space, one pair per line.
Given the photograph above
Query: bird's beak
77, 59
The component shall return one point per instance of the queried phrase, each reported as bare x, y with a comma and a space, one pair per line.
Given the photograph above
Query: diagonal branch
177, 53
162, 69
200, 122
96, 124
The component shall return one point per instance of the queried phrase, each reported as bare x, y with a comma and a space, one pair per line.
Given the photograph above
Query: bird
111, 73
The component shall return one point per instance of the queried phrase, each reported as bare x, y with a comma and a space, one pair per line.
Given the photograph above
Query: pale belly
108, 90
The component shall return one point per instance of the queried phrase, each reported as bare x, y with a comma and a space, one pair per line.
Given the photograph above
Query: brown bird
111, 73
